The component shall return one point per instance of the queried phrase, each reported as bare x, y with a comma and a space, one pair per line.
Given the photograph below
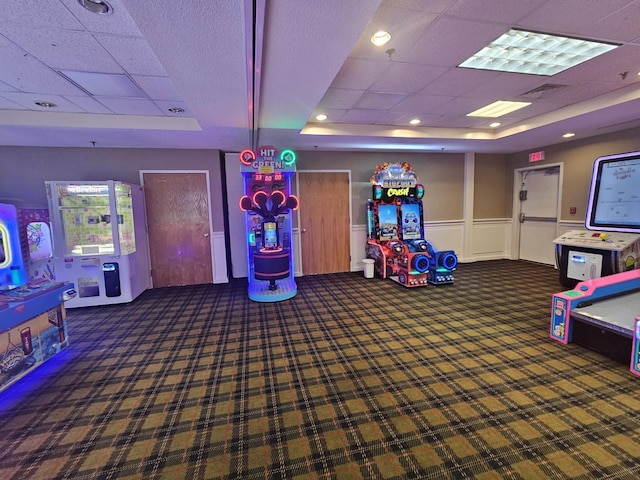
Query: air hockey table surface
617, 313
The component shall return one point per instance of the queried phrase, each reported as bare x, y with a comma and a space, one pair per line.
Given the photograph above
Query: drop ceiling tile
368, 117
133, 54
359, 74
406, 78
505, 86
28, 100
340, 98
157, 88
421, 104
570, 16
6, 104
71, 50
88, 104
443, 44
379, 101
42, 13
403, 119
25, 73
578, 93
6, 88
130, 106
620, 25
461, 106
433, 6
504, 11
458, 81
118, 22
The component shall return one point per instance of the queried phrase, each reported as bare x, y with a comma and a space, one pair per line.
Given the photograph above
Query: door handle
206, 235
304, 230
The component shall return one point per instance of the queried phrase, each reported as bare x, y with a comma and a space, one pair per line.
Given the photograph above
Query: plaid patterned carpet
352, 378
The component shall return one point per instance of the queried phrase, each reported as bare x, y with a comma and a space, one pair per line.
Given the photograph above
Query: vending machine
99, 240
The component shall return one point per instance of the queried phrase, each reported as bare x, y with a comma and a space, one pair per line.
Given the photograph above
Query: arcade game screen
614, 202
411, 221
388, 221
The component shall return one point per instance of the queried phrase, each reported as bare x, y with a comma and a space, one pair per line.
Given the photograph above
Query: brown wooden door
324, 222
178, 218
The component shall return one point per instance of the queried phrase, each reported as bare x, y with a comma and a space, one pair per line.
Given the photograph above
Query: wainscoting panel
491, 239
219, 258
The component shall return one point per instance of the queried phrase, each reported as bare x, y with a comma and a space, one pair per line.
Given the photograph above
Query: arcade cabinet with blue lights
32, 314
603, 314
267, 204
395, 230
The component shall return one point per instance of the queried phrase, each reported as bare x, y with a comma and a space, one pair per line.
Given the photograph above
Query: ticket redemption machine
267, 203
395, 231
99, 240
32, 314
603, 314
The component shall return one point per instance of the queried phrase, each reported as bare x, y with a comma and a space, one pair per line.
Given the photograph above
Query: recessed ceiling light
45, 104
568, 135
495, 124
414, 121
535, 53
380, 38
498, 109
176, 110
321, 117
96, 6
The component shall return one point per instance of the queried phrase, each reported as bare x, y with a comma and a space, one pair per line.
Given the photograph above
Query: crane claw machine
99, 240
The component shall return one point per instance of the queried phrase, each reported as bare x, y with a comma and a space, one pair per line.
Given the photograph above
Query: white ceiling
310, 57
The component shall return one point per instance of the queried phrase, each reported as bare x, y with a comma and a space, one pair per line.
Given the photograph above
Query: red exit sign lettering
536, 156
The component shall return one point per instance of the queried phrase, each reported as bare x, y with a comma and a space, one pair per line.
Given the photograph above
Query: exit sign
536, 156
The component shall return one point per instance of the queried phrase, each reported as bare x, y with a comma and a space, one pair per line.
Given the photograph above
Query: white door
538, 201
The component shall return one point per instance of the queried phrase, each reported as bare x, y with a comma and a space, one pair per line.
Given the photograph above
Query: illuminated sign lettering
266, 166
398, 192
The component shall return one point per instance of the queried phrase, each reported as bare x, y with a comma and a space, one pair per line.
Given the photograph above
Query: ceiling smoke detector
96, 6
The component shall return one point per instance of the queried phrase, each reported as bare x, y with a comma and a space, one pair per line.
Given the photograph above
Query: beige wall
29, 167
25, 169
491, 194
441, 174
577, 158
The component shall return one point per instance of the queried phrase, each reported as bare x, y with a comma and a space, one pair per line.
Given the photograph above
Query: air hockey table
602, 314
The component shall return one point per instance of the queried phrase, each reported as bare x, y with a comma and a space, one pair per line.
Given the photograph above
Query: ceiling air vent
542, 90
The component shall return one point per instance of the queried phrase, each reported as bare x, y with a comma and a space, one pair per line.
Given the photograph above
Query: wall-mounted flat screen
614, 196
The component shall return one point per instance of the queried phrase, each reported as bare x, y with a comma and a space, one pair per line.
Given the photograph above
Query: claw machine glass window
87, 225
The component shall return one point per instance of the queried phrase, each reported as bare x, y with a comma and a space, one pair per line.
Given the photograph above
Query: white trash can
369, 264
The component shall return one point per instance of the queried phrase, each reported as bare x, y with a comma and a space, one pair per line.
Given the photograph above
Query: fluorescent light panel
498, 109
104, 84
520, 51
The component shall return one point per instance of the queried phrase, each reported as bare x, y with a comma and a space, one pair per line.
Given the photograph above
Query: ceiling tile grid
316, 57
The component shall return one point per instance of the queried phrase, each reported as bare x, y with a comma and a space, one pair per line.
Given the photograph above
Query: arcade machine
395, 231
267, 204
583, 254
32, 315
36, 241
603, 314
99, 240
